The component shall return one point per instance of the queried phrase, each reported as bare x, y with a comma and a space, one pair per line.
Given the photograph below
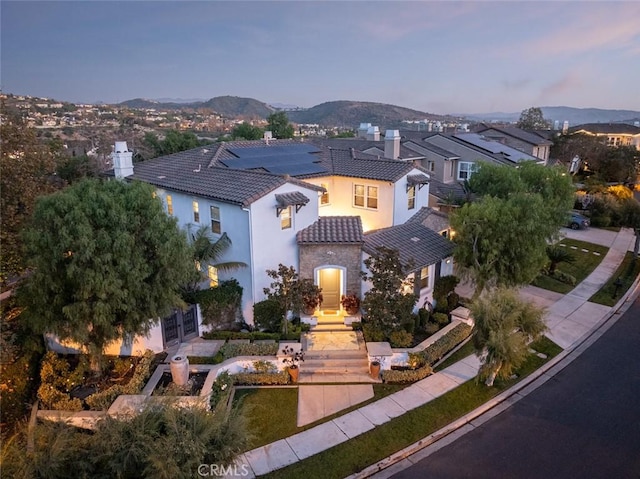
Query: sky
438, 57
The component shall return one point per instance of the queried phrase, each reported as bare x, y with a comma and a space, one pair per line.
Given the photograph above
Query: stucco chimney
392, 144
362, 130
122, 160
373, 133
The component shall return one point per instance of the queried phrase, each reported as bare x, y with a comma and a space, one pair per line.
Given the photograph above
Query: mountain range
351, 113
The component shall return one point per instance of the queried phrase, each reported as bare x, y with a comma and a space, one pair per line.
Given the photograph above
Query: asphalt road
583, 423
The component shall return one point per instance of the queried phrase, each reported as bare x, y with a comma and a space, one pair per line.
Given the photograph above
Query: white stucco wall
341, 201
401, 211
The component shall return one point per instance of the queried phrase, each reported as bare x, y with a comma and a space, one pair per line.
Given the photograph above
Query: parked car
578, 221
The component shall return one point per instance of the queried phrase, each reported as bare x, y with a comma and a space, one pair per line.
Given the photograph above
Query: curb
506, 398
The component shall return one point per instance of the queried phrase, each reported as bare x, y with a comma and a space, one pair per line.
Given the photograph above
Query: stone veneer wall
348, 256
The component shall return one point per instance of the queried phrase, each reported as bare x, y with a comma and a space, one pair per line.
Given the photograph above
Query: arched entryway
331, 279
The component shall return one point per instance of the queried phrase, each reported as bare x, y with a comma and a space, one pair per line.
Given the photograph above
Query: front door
180, 326
330, 284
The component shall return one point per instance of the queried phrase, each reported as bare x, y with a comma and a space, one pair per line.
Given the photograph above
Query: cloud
563, 86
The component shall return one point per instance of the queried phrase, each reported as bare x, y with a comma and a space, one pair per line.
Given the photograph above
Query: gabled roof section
332, 230
366, 146
517, 133
416, 244
607, 129
496, 148
433, 219
187, 172
425, 148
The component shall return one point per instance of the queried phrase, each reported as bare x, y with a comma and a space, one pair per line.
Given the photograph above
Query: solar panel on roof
273, 150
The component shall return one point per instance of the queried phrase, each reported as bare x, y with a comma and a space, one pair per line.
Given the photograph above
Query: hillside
575, 116
234, 106
352, 113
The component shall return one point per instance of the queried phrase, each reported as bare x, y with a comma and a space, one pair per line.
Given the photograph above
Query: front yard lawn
628, 271
585, 263
368, 448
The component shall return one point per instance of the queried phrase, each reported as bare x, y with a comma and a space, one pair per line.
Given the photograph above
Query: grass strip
368, 448
627, 272
583, 266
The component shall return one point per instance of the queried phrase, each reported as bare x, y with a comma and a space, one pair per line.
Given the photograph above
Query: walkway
569, 317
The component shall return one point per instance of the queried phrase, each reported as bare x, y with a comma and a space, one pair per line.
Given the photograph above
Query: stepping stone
585, 250
596, 253
563, 245
541, 355
573, 247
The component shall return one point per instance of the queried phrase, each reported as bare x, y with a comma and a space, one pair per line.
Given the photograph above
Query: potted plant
374, 367
291, 359
351, 303
310, 296
311, 302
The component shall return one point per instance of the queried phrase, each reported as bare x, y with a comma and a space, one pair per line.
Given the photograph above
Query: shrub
423, 318
268, 315
400, 339
410, 326
221, 388
453, 301
565, 277
264, 367
257, 379
443, 286
356, 326
446, 343
220, 306
57, 380
239, 335
231, 350
431, 328
406, 376
372, 333
600, 221
441, 319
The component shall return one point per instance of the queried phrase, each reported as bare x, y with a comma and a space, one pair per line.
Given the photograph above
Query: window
216, 227
450, 168
169, 204
424, 278
285, 218
411, 196
365, 196
324, 199
196, 212
212, 273
465, 170
431, 166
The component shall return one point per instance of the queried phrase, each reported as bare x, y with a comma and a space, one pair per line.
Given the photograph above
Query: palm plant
557, 255
504, 326
207, 250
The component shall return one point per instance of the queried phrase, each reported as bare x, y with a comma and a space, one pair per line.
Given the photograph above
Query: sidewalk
568, 317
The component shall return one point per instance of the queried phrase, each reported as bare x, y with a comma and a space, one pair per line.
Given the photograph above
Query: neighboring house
527, 142
617, 134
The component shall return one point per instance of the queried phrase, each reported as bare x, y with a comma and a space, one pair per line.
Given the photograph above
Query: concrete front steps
335, 367
331, 326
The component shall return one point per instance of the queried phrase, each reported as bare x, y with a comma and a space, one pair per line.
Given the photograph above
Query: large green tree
533, 119
504, 327
246, 131
174, 141
279, 125
501, 239
28, 171
390, 301
106, 261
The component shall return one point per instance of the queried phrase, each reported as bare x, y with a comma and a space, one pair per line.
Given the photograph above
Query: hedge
256, 379
407, 375
446, 343
231, 350
219, 306
238, 335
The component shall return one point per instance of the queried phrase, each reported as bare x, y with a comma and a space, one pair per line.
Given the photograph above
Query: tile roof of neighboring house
424, 147
607, 128
466, 151
518, 133
332, 229
416, 244
447, 192
363, 145
496, 148
355, 164
188, 172
433, 219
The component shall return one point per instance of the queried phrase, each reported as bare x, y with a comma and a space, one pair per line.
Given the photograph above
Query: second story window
196, 212
285, 218
411, 197
169, 205
216, 226
424, 278
324, 199
465, 170
212, 273
365, 196
431, 166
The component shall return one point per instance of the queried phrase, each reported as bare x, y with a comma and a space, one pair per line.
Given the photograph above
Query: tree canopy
246, 131
501, 239
28, 171
279, 125
533, 119
106, 261
173, 142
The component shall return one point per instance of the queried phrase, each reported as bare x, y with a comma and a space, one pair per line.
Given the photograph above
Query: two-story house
527, 142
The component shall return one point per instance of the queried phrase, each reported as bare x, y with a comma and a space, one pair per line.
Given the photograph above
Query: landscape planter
294, 372
374, 369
